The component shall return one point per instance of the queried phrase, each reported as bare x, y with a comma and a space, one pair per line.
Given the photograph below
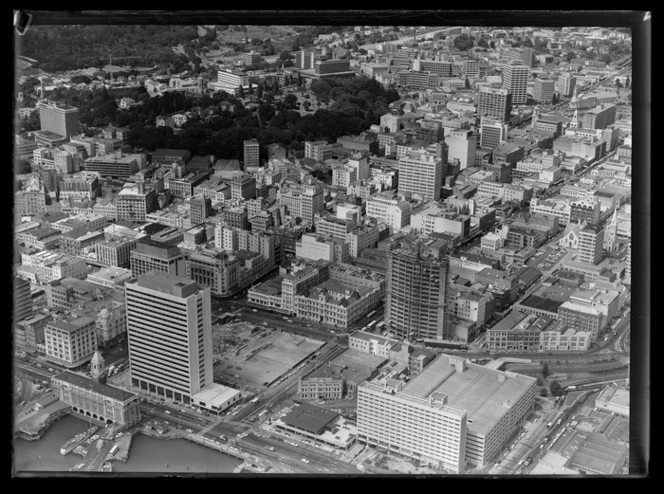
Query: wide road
409, 38
287, 454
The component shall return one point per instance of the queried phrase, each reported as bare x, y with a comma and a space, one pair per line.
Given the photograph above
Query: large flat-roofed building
421, 174
225, 272
599, 117
599, 455
318, 424
58, 118
114, 165
170, 336
216, 398
440, 67
134, 201
389, 208
150, 254
462, 145
543, 90
493, 133
230, 81
495, 103
333, 68
170, 156
71, 342
515, 80
371, 344
302, 201
115, 252
453, 413
93, 400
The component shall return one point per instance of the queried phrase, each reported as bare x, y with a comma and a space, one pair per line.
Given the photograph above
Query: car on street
304, 460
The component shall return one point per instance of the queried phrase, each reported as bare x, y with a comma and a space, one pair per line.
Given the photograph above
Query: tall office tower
58, 118
170, 335
528, 56
515, 80
251, 153
566, 84
543, 90
493, 133
416, 289
421, 174
495, 103
22, 300
591, 243
200, 207
462, 144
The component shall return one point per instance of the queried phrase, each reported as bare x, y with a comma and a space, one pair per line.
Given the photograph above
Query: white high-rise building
454, 414
462, 145
515, 80
389, 208
421, 174
170, 335
566, 84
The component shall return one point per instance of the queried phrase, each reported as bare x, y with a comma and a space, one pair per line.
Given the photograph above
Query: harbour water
146, 455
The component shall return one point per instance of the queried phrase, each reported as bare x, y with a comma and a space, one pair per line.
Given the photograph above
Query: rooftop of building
517, 321
270, 287
215, 395
599, 454
486, 395
357, 366
125, 158
41, 232
111, 273
94, 386
72, 323
167, 283
381, 340
310, 418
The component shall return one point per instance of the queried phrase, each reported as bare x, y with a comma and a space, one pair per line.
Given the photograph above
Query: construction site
252, 358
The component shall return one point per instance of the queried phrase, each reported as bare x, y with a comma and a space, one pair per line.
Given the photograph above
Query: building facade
170, 336
416, 292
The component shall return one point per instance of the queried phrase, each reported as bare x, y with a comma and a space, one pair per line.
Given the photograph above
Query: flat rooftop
485, 394
167, 283
310, 418
215, 395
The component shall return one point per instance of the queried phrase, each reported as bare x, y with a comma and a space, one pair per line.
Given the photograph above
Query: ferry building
96, 401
